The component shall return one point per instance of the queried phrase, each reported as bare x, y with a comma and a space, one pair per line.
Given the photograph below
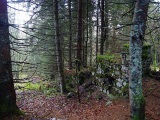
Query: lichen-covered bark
137, 101
7, 92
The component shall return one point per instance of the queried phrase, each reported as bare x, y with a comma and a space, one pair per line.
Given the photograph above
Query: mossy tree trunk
7, 91
137, 101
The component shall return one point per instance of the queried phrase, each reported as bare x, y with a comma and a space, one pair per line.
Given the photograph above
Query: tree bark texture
86, 41
59, 49
7, 91
97, 29
106, 25
102, 28
83, 34
137, 101
79, 35
70, 35
91, 42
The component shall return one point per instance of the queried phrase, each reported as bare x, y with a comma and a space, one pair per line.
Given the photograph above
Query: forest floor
37, 106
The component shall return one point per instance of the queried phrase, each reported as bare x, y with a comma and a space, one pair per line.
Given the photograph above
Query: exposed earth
37, 106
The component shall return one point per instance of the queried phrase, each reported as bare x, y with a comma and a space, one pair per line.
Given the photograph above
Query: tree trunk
7, 91
86, 42
106, 25
102, 28
79, 36
59, 50
91, 42
70, 35
97, 29
137, 100
83, 34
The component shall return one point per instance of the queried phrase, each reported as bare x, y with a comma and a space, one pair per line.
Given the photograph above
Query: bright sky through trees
21, 13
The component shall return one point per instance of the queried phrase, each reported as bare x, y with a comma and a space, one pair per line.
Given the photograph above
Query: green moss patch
140, 113
110, 57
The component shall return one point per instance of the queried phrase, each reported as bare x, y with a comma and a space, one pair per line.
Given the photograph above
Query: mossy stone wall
117, 66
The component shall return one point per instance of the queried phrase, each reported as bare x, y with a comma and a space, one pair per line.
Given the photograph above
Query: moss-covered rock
125, 90
125, 47
110, 57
